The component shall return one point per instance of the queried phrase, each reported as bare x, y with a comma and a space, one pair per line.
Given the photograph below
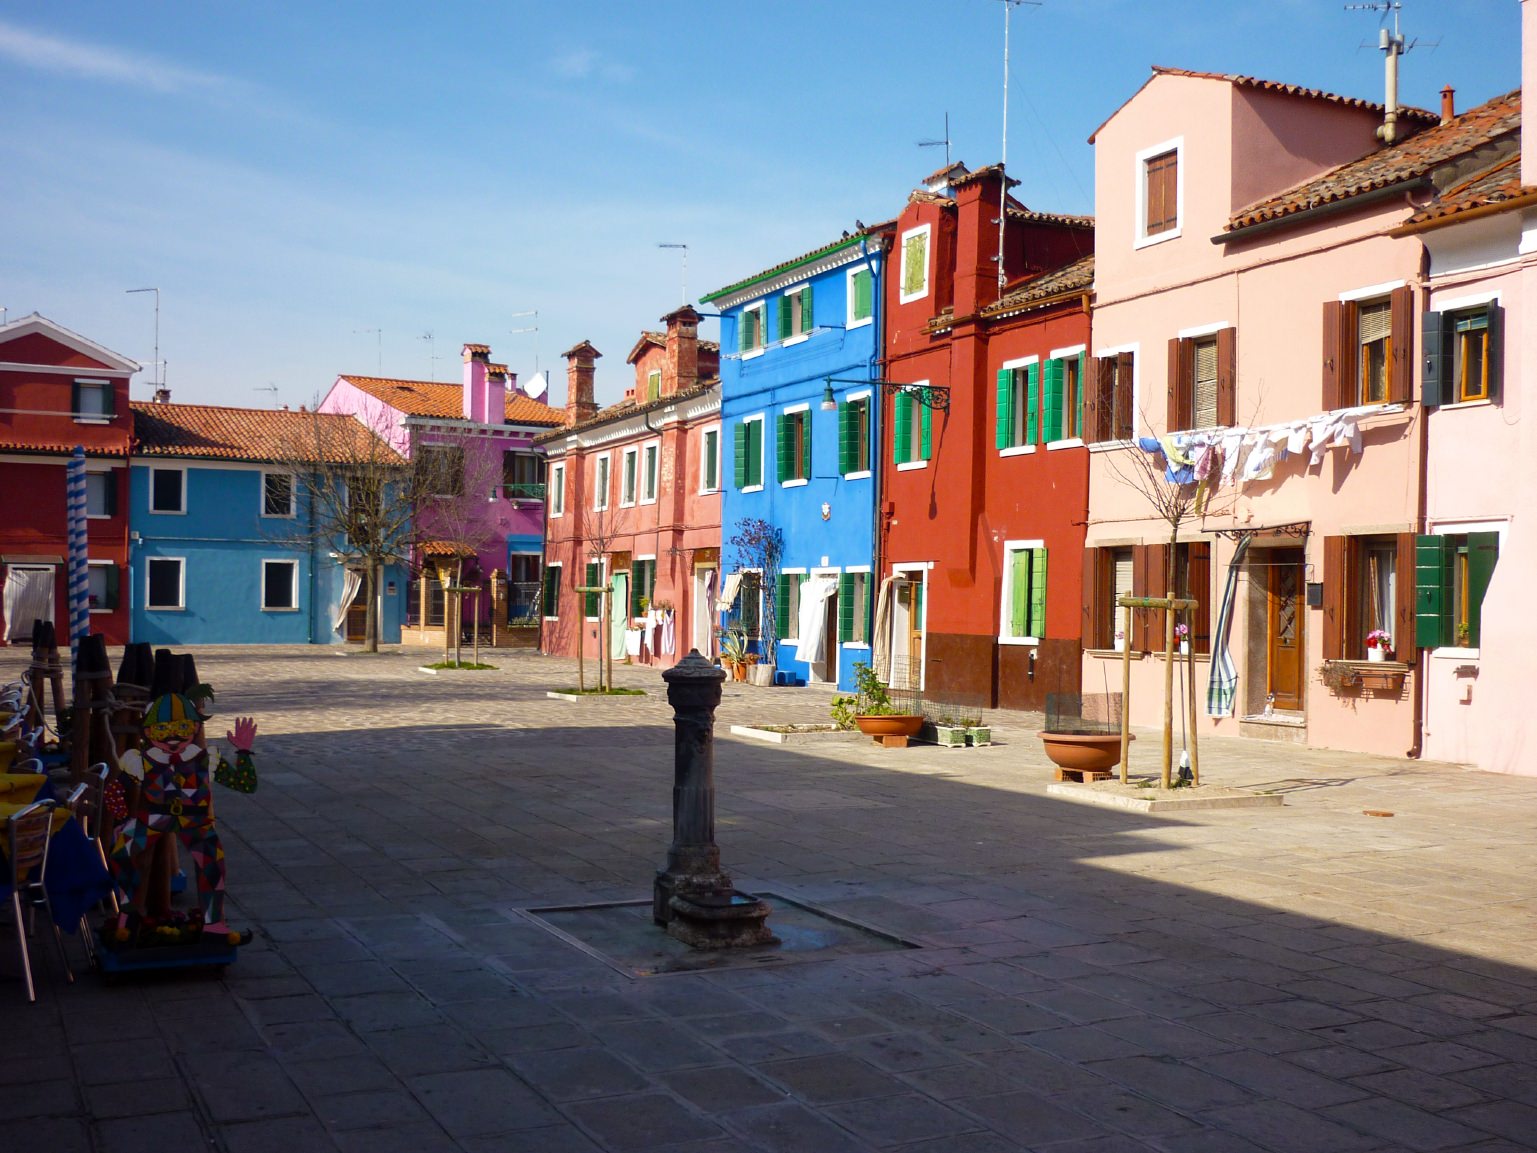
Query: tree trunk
459, 612
370, 610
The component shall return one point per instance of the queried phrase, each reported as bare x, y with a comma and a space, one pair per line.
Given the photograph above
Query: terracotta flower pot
894, 725
1092, 752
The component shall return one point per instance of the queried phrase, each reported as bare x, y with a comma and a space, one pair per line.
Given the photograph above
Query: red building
984, 473
59, 390
633, 503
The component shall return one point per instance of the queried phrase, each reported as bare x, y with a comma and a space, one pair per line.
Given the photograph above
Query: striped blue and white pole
79, 573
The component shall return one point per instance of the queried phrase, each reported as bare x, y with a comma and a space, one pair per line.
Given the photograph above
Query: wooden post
1125, 695
1169, 606
1168, 697
1195, 756
475, 612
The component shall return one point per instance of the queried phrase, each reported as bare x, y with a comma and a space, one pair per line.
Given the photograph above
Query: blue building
224, 544
800, 348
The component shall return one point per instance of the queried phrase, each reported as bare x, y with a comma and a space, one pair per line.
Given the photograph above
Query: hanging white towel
728, 592
669, 632
632, 642
813, 617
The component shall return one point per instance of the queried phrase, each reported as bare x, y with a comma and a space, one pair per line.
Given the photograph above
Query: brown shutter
1401, 387
1334, 597
1227, 376
1181, 385
1404, 641
1093, 598
1125, 419
1333, 352
1102, 400
1157, 586
1139, 629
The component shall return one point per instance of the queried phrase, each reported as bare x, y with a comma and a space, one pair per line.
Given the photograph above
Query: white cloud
98, 62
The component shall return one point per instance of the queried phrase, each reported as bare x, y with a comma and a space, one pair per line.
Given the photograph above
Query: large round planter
1085, 752
896, 725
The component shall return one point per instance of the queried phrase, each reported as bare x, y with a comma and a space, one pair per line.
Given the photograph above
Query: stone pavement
1298, 979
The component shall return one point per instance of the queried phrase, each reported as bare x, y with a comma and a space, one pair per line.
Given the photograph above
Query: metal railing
518, 491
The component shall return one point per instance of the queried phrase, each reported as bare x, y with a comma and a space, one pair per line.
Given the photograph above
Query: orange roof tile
1489, 190
629, 407
1075, 277
58, 447
446, 400
254, 434
1407, 161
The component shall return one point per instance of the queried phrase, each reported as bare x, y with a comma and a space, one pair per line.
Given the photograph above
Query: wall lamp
931, 396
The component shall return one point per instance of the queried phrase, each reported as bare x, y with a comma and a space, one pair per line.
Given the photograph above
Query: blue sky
291, 176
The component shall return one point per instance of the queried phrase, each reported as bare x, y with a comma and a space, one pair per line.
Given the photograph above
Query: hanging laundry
669, 632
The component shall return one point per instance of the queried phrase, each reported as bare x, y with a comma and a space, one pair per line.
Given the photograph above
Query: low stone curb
1116, 795
768, 735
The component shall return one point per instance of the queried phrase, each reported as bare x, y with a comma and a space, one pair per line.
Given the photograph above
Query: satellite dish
537, 385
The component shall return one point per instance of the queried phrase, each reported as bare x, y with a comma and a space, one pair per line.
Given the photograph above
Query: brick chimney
162, 396
680, 365
580, 368
501, 382
976, 239
477, 357
1448, 103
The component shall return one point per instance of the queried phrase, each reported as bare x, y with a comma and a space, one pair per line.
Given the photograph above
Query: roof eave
1328, 208
1494, 208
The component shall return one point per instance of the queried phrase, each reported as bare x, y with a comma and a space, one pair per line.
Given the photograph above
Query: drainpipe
876, 469
1422, 504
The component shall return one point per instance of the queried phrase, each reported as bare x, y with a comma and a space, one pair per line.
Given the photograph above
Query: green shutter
1019, 593
1433, 618
863, 296
913, 252
743, 330
847, 432
1052, 424
784, 318
113, 578
1032, 402
1037, 622
782, 606
594, 574
845, 607
903, 437
783, 458
806, 310
926, 433
1483, 553
739, 457
806, 468
1083, 387
551, 591
1005, 431
755, 452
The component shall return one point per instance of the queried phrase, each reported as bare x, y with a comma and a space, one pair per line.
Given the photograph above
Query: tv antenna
1003, 160
683, 297
937, 143
432, 354
534, 328
378, 333
268, 387
157, 364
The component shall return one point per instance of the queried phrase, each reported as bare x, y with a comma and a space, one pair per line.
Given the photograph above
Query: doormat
623, 935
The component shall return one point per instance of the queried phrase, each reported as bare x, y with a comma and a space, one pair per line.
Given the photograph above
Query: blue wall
793, 373
223, 539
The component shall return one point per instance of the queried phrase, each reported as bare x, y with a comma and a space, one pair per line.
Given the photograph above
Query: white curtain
728, 592
813, 617
28, 598
350, 586
880, 654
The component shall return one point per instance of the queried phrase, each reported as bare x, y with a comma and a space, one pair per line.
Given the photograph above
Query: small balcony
518, 492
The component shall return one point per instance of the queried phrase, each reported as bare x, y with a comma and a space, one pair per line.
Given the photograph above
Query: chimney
496, 392
580, 369
162, 396
977, 214
1393, 45
476, 359
680, 364
1448, 104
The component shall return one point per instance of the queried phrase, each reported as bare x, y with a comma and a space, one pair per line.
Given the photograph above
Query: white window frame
797, 481
704, 455
1006, 595
762, 452
557, 490
604, 578
600, 492
293, 568
804, 334
181, 591
868, 396
867, 572
559, 582
84, 382
103, 566
629, 473
794, 623
904, 297
106, 474
155, 468
1135, 348
650, 474
1019, 362
1071, 352
293, 495
850, 321
1140, 238
761, 308
920, 570
913, 465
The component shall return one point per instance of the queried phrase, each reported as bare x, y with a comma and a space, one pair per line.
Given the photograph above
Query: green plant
843, 710
1337, 675
871, 696
1464, 635
733, 646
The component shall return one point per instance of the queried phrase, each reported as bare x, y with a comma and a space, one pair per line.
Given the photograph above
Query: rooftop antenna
379, 334
937, 143
432, 354
684, 295
157, 365
534, 328
1003, 161
269, 387
1393, 46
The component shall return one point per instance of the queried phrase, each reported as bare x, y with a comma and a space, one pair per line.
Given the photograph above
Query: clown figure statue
175, 799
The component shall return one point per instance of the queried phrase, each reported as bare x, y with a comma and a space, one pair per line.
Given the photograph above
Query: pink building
492, 521
1257, 298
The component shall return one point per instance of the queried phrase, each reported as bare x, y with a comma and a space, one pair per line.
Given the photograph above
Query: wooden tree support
1169, 606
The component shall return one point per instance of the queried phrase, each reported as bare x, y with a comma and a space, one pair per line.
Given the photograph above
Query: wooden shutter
926, 433
1435, 359
1095, 590
782, 605
1141, 620
1227, 377
594, 574
807, 315
806, 469
1018, 576
1156, 584
784, 307
1336, 595
1338, 360
1125, 417
1051, 424
1401, 387
902, 446
846, 437
1037, 622
1483, 553
113, 586
845, 607
1496, 315
863, 283
74, 397
1181, 385
1032, 402
1004, 434
739, 454
1403, 597
1434, 620
1101, 407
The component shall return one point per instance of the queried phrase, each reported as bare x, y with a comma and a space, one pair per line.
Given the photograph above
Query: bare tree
600, 528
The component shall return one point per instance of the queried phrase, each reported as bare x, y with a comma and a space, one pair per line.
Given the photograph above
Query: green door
619, 609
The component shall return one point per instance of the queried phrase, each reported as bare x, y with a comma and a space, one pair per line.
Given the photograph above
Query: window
750, 329
592, 601
749, 453
92, 401
164, 587
1203, 370
1109, 574
1018, 402
793, 446
915, 264
854, 436
600, 483
1111, 404
522, 475
280, 584
441, 468
277, 494
100, 494
653, 385
558, 489
1121, 562
1022, 617
747, 612
650, 457
1062, 403
795, 313
1452, 574
642, 584
1461, 355
1369, 586
103, 583
913, 436
627, 477
787, 605
854, 608
1367, 348
861, 290
167, 490
1160, 193
437, 598
549, 593
709, 460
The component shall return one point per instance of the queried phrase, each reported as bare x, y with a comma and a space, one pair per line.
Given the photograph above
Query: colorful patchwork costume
176, 798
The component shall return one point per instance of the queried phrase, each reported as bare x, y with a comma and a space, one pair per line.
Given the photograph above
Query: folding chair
29, 831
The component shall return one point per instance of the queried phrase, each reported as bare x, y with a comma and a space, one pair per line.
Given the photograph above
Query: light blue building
800, 350
223, 544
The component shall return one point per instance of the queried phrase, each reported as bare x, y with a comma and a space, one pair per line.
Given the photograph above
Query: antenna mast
379, 341
158, 366
1003, 160
534, 328
684, 247
937, 143
1392, 44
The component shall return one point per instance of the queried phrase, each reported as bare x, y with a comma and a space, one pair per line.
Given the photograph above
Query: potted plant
875, 713
1182, 635
733, 653
1379, 645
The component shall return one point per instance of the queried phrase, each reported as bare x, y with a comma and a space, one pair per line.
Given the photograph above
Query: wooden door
1285, 648
910, 618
